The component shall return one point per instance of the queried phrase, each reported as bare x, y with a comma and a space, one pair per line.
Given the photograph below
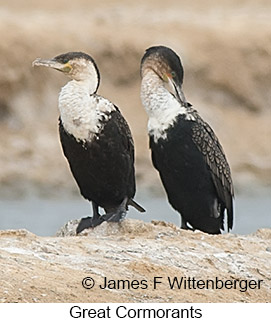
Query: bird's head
167, 65
76, 65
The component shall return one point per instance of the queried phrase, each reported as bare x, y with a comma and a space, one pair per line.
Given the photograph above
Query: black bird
185, 150
96, 140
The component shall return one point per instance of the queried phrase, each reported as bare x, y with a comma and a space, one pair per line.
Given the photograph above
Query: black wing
127, 141
104, 166
207, 142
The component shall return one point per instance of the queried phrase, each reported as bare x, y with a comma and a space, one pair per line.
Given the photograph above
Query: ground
51, 269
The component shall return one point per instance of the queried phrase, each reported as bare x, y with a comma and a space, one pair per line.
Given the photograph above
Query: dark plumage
104, 167
96, 140
185, 150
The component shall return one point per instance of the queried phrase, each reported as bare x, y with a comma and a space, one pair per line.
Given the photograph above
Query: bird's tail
136, 205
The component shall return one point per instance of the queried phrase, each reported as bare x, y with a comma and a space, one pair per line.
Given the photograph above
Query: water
45, 216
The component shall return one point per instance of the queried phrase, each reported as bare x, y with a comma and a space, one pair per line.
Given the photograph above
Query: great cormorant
96, 140
185, 150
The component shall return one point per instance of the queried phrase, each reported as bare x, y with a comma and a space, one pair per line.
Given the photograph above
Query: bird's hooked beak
178, 91
52, 63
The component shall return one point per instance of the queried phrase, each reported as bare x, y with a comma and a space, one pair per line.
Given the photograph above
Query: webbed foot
89, 222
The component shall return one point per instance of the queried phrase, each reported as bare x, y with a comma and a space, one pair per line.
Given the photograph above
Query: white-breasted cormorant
96, 140
185, 150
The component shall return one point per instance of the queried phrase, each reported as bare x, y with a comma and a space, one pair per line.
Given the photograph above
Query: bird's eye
173, 74
67, 68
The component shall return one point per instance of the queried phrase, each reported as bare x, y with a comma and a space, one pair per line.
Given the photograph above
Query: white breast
83, 115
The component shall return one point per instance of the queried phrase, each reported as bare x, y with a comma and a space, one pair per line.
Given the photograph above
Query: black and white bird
185, 150
96, 140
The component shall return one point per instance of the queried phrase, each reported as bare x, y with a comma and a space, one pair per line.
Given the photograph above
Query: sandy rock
51, 269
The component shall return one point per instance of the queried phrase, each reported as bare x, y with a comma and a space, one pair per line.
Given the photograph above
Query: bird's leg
119, 214
97, 218
89, 222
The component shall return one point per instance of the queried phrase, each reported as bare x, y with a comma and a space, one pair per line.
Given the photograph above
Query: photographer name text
179, 283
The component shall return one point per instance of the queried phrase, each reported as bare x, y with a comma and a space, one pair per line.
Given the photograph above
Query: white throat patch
82, 114
162, 107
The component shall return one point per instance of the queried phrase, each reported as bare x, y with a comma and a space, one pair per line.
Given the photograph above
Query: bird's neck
87, 86
156, 98
161, 106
